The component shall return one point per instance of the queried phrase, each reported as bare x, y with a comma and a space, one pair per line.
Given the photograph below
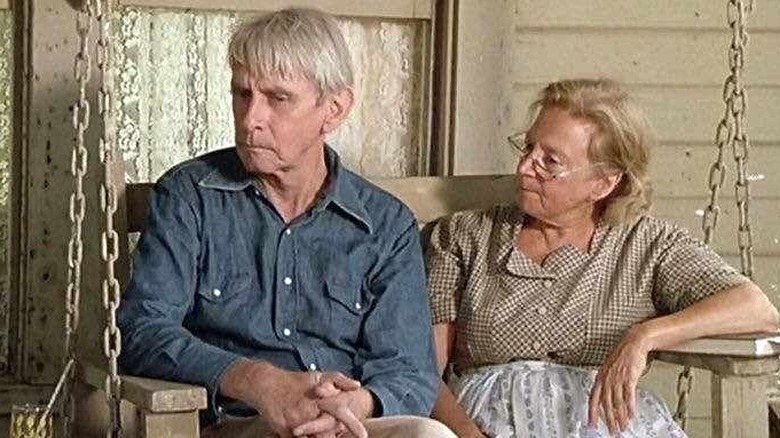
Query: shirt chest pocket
344, 294
347, 304
224, 299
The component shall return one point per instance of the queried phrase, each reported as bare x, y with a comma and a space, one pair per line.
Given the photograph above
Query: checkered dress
576, 306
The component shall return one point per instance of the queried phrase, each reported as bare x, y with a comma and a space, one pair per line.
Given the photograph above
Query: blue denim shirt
218, 276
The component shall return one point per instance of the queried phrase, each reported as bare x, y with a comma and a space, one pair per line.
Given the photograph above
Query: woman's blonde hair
622, 141
293, 42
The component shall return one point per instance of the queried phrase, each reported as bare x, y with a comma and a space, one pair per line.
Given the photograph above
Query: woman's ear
338, 104
604, 185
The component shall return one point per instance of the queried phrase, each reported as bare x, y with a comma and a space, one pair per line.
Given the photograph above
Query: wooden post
739, 406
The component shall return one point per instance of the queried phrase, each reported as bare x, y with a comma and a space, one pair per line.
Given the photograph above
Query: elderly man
282, 282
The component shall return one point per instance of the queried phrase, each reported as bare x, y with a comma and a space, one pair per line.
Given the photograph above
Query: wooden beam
410, 9
740, 407
151, 395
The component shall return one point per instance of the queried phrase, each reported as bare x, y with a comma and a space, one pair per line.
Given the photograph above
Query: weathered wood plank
764, 212
640, 56
415, 9
151, 395
689, 14
170, 425
723, 365
680, 114
4, 4
680, 170
739, 407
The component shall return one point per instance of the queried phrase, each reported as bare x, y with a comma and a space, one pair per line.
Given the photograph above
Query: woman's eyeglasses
546, 167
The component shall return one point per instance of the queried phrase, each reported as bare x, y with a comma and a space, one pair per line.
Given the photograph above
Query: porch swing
104, 403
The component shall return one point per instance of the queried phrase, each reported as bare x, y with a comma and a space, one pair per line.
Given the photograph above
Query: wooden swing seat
154, 408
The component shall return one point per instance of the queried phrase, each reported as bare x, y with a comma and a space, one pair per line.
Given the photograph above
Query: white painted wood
639, 56
663, 14
415, 9
679, 114
482, 86
739, 407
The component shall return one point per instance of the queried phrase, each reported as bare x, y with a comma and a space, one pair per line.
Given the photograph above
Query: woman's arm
740, 309
447, 410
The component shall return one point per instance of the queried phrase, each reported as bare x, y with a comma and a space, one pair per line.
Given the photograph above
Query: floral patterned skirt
539, 399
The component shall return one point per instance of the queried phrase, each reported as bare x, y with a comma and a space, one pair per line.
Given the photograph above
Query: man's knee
407, 427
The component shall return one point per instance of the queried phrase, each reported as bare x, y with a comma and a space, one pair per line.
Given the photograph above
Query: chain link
77, 205
730, 132
112, 337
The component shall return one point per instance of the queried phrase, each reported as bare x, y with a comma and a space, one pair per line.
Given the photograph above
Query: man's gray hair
294, 42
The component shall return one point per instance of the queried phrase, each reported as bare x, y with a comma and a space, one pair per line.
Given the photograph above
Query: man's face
280, 123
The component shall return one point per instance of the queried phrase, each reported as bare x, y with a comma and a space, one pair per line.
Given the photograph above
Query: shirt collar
340, 190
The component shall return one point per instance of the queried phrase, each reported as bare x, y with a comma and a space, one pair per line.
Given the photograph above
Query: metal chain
77, 206
730, 132
112, 338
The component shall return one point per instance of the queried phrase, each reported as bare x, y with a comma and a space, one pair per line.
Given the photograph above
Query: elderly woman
548, 309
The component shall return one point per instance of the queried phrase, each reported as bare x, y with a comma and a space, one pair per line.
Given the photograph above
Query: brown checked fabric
576, 306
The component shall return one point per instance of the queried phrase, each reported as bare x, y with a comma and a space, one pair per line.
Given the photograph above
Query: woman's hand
614, 390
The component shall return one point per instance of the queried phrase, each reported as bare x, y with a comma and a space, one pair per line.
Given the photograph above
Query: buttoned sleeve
396, 358
688, 271
161, 293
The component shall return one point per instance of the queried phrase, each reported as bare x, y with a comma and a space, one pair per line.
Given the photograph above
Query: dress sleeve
688, 271
445, 269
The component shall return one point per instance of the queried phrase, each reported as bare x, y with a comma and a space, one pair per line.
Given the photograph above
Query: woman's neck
538, 238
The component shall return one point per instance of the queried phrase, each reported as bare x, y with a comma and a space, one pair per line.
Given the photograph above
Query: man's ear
605, 185
338, 105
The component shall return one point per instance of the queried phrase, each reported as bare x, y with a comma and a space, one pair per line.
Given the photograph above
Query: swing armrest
149, 407
151, 395
737, 355
742, 369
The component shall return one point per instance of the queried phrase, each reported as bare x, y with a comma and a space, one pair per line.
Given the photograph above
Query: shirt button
287, 281
287, 332
257, 192
537, 345
358, 306
542, 310
312, 367
287, 232
216, 292
548, 283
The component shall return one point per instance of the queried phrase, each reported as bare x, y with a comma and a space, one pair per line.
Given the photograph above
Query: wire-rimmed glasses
545, 166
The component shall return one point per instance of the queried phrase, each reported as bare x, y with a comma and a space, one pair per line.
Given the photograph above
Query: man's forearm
242, 380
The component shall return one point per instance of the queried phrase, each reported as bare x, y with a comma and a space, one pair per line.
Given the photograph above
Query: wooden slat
640, 56
482, 191
688, 14
764, 212
410, 9
748, 345
433, 197
739, 407
723, 365
679, 114
679, 170
151, 395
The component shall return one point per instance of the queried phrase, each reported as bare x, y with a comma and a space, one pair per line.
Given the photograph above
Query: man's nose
256, 115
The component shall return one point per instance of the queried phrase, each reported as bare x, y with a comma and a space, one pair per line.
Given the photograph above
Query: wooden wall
672, 56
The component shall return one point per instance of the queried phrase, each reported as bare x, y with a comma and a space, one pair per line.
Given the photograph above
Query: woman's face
556, 180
